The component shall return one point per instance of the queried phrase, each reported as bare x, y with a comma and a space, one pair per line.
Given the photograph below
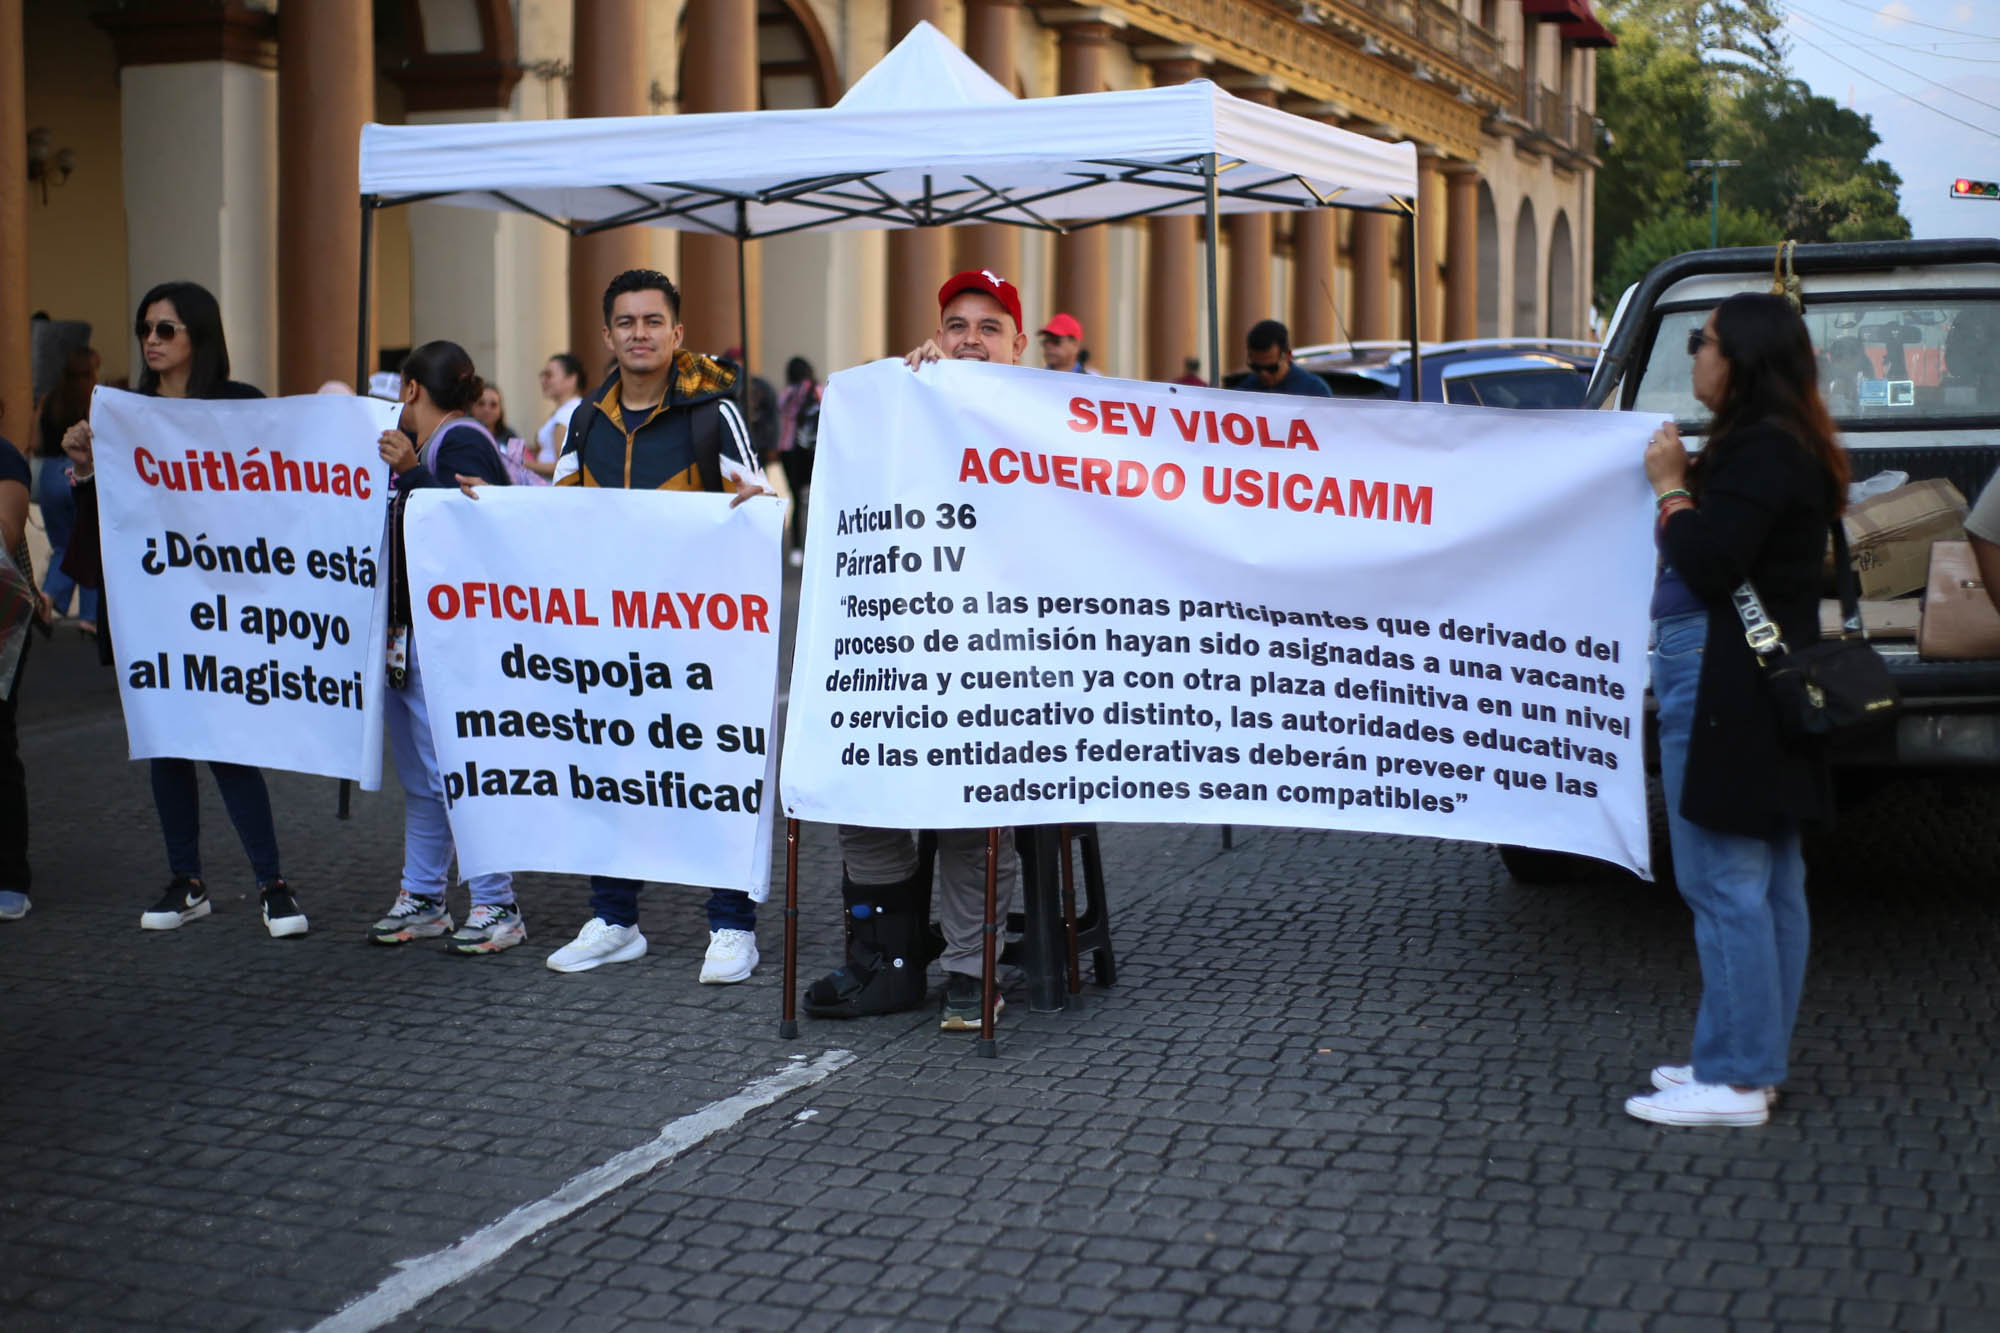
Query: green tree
1709, 79
1668, 234
1806, 164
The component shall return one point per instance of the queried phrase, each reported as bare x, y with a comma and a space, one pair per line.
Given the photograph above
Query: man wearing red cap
1062, 345
883, 889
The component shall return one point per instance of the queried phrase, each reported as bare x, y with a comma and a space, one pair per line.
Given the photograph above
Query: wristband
1676, 493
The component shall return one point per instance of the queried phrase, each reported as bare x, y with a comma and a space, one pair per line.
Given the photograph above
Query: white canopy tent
926, 138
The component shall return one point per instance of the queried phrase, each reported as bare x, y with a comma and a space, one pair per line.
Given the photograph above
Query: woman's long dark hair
195, 307
1774, 379
445, 371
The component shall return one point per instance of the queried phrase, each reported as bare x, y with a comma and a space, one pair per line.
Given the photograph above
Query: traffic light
1970, 189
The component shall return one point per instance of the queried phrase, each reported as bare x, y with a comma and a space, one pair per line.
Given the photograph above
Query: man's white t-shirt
545, 438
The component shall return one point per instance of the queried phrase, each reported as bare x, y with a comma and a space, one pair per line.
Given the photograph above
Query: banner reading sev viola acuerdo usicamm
1036, 598
241, 561
601, 672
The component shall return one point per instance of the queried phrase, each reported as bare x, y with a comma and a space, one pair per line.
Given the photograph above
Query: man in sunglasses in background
1271, 368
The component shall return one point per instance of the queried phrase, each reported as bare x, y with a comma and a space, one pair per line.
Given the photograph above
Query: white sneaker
1701, 1104
732, 957
1672, 1076
597, 943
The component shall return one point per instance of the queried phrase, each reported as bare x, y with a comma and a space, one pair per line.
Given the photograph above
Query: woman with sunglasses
438, 441
179, 327
1754, 505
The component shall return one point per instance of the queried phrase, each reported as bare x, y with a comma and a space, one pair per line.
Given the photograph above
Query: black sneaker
185, 900
962, 995
282, 915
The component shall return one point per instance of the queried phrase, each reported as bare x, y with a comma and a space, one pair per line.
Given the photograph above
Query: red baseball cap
1064, 326
982, 280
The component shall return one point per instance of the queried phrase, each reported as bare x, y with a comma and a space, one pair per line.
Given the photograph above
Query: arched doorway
1527, 274
795, 65
1562, 281
1489, 264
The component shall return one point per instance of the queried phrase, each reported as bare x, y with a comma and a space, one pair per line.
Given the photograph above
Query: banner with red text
241, 562
601, 669
1031, 598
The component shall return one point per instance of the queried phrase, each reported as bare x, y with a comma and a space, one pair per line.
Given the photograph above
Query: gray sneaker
414, 917
489, 929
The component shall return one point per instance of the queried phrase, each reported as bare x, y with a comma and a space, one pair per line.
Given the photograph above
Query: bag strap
1761, 632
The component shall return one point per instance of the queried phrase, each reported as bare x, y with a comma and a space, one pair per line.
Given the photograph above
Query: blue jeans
427, 844
58, 522
1748, 896
177, 796
616, 902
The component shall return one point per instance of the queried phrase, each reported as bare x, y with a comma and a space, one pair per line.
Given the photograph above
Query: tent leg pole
1411, 305
1213, 171
343, 803
743, 315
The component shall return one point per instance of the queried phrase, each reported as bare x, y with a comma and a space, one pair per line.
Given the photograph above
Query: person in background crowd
436, 442
1271, 368
562, 384
337, 388
1754, 505
665, 419
798, 437
67, 404
179, 327
14, 874
1062, 345
1190, 372
882, 886
762, 417
491, 412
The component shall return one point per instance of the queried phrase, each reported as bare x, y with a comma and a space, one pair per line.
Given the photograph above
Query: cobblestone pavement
1344, 1082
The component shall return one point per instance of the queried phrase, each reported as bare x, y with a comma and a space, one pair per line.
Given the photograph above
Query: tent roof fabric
925, 138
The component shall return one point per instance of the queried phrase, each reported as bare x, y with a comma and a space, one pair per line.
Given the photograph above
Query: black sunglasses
1696, 338
166, 328
1271, 368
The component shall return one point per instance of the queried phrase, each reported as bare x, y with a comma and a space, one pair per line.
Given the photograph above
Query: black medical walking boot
888, 946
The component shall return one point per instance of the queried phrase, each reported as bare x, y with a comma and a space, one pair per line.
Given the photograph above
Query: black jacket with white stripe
692, 440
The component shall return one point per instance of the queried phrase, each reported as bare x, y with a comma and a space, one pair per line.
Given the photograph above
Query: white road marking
421, 1278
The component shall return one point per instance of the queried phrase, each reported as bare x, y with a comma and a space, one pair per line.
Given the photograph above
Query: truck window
1538, 388
1907, 365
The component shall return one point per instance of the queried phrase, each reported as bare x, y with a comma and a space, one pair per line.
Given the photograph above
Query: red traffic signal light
1971, 189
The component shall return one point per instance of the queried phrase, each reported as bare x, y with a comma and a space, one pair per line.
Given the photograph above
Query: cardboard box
1889, 536
1879, 620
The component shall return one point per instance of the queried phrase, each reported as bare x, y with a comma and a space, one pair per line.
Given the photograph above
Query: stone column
1372, 243
16, 389
1461, 251
206, 75
326, 93
1083, 258
1248, 296
609, 55
989, 39
1174, 262
920, 258
1315, 255
1430, 245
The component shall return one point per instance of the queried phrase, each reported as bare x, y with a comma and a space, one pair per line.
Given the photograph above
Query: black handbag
1834, 689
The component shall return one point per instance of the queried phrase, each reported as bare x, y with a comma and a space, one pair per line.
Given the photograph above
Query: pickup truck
1908, 336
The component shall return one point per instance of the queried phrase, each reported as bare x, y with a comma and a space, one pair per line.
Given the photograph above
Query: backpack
805, 421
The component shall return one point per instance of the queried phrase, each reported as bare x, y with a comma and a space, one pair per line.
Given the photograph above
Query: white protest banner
1034, 599
601, 668
241, 554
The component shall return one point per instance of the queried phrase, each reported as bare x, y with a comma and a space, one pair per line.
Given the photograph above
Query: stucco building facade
214, 140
